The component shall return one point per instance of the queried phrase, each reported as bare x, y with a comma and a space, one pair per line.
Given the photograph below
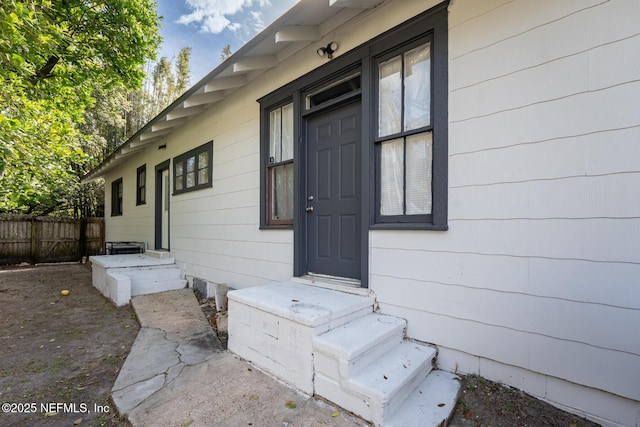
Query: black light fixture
331, 47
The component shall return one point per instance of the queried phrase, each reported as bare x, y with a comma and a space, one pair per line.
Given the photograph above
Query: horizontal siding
571, 27
570, 280
591, 324
578, 115
596, 240
581, 197
540, 267
591, 366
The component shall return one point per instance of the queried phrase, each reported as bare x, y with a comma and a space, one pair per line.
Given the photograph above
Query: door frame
300, 165
160, 168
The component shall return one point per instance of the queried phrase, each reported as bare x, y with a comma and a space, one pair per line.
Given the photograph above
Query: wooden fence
31, 239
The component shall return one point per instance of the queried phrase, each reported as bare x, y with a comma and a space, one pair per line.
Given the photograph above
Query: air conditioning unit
124, 248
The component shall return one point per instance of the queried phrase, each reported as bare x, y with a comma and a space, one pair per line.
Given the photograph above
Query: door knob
309, 209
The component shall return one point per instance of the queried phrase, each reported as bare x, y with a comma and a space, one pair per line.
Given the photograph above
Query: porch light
328, 50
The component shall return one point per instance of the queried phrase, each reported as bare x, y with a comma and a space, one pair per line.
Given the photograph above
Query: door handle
309, 209
310, 198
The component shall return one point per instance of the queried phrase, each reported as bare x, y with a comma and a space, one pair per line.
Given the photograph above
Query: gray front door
333, 192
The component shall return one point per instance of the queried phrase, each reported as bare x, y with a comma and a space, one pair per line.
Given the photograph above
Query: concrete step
430, 404
386, 382
341, 351
154, 286
273, 326
152, 274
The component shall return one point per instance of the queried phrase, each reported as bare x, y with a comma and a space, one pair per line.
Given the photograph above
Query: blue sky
207, 26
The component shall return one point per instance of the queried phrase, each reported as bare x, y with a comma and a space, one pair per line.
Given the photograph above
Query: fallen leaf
385, 377
468, 414
77, 422
440, 405
50, 414
335, 414
295, 300
290, 404
188, 423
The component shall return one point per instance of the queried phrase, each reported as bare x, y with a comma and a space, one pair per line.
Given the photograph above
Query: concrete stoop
120, 277
333, 345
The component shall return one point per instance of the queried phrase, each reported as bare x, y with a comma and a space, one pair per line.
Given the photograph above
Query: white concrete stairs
333, 345
367, 367
119, 277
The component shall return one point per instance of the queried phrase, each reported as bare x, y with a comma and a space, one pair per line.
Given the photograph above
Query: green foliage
55, 58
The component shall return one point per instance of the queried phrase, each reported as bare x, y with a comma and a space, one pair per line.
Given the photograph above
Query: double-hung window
280, 166
192, 170
406, 139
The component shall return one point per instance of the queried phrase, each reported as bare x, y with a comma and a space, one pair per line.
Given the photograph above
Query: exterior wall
214, 233
536, 281
136, 222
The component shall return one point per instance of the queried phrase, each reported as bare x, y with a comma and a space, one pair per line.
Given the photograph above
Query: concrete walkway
177, 374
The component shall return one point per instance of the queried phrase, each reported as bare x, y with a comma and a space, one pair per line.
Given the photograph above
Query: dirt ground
60, 356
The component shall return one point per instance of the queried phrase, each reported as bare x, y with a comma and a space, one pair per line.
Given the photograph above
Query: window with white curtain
280, 166
404, 137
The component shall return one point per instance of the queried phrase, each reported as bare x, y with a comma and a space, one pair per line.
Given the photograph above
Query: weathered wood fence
31, 239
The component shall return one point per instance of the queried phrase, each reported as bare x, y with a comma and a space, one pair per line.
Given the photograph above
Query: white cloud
214, 16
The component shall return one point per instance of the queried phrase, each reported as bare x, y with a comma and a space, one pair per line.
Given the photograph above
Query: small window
116, 197
141, 185
192, 170
280, 166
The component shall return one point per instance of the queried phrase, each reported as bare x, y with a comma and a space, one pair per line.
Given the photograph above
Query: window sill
190, 189
276, 227
409, 226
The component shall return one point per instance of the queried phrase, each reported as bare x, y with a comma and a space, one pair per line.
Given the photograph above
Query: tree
182, 70
226, 52
54, 54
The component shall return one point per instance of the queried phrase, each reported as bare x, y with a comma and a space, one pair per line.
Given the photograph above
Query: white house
474, 165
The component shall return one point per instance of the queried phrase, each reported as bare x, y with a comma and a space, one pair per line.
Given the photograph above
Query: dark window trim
432, 21
182, 159
140, 200
431, 26
265, 167
116, 201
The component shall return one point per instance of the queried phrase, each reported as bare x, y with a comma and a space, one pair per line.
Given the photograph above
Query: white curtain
390, 97
419, 162
392, 177
417, 87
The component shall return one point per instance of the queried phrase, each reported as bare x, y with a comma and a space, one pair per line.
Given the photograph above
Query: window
116, 197
406, 139
193, 170
280, 166
141, 185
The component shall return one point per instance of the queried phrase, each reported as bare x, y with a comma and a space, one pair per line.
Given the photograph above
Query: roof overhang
306, 22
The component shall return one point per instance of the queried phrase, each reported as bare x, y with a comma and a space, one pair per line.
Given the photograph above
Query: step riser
157, 286
401, 395
334, 392
383, 404
340, 369
152, 275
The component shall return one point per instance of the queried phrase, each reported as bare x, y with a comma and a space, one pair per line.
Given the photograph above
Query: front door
163, 191
333, 192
